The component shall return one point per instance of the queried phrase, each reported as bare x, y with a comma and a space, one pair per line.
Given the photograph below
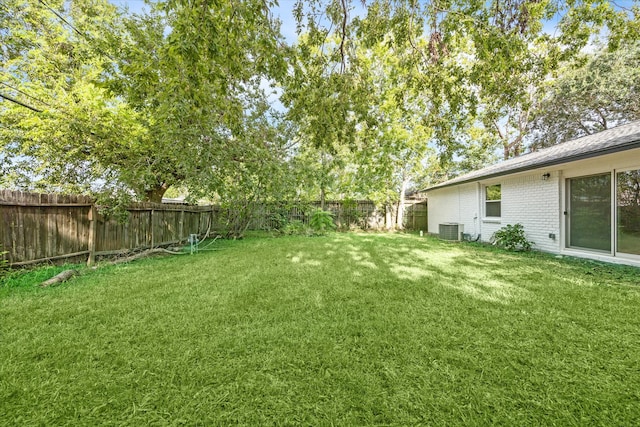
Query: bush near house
511, 238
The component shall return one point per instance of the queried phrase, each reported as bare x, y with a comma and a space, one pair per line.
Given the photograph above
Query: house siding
534, 203
455, 204
528, 199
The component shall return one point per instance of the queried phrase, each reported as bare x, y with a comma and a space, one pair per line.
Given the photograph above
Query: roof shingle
620, 138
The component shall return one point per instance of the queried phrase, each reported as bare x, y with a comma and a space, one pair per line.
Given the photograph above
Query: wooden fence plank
36, 227
91, 240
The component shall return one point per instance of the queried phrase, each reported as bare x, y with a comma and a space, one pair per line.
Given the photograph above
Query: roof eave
555, 162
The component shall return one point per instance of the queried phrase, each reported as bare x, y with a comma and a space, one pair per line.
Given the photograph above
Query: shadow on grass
478, 274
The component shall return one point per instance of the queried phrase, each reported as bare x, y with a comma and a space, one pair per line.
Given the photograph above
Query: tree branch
500, 134
603, 122
345, 16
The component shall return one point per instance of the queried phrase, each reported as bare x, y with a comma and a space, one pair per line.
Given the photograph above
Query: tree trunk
388, 218
400, 215
155, 194
62, 277
323, 180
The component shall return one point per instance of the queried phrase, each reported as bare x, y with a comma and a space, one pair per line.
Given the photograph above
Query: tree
511, 58
494, 58
514, 58
324, 93
394, 141
178, 96
139, 103
199, 86
71, 130
601, 93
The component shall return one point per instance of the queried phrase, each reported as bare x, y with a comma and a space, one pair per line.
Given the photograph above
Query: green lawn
348, 329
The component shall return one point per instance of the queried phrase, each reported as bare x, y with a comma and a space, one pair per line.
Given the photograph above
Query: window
628, 206
492, 201
603, 212
589, 213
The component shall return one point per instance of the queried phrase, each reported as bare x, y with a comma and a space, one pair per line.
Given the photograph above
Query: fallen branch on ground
68, 274
59, 278
146, 254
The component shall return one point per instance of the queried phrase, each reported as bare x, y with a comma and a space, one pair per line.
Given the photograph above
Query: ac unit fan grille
449, 232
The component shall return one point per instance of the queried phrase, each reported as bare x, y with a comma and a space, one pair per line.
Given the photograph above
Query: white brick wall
535, 204
528, 199
454, 204
525, 199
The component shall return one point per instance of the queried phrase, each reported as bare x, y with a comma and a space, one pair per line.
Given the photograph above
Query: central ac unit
451, 231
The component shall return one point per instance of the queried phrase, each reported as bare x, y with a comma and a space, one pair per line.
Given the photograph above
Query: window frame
571, 212
486, 201
617, 215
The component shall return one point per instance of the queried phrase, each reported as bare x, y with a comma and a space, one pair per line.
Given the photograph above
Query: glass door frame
625, 255
612, 213
566, 217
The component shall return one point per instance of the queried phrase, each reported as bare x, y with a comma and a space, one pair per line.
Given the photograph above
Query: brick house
579, 198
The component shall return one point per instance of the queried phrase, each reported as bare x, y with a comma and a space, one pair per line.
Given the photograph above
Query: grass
348, 329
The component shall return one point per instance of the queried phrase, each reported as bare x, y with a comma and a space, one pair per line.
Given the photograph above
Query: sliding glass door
628, 211
589, 216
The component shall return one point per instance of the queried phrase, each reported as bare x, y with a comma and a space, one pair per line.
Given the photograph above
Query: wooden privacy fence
44, 227
415, 215
363, 214
41, 227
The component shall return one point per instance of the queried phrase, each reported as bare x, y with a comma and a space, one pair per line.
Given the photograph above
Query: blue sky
284, 11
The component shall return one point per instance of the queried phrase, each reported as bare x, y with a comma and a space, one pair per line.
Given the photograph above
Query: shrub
351, 218
277, 221
295, 227
511, 237
322, 221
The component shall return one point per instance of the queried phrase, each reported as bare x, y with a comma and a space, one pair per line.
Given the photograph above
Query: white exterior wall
528, 199
525, 199
534, 203
453, 204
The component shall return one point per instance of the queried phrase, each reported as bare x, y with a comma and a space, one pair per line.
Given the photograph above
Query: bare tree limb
59, 278
345, 17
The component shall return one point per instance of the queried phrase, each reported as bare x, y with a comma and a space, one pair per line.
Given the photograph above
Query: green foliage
351, 218
296, 227
182, 95
586, 98
321, 221
3, 261
131, 106
82, 134
114, 205
512, 238
278, 220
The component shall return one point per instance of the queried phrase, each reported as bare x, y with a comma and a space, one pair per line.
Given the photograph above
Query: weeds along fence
44, 227
347, 214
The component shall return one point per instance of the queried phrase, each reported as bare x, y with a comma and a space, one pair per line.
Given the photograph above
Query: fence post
181, 225
413, 217
93, 220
